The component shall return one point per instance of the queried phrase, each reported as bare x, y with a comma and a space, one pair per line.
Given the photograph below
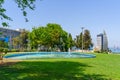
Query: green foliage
51, 35
14, 50
21, 41
16, 42
3, 51
5, 24
22, 4
33, 50
3, 44
24, 38
78, 41
71, 42
87, 41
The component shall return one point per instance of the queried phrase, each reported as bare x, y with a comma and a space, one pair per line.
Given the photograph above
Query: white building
102, 42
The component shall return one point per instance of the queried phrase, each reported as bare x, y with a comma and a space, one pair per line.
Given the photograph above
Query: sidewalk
82, 51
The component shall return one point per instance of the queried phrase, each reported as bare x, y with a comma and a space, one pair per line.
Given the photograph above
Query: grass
103, 67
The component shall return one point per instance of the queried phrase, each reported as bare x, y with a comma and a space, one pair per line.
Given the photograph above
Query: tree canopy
50, 36
87, 39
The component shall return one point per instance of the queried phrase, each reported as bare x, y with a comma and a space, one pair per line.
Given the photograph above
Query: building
102, 42
7, 35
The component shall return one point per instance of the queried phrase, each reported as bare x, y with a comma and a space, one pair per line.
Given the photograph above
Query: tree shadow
39, 70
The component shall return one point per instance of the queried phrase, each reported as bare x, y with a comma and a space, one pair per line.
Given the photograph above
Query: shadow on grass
59, 70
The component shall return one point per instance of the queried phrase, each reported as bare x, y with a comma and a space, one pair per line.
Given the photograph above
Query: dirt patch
7, 62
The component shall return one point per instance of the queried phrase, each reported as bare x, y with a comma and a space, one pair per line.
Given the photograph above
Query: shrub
3, 51
25, 50
14, 50
33, 50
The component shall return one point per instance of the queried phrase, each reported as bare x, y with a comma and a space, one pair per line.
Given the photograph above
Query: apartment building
7, 35
102, 42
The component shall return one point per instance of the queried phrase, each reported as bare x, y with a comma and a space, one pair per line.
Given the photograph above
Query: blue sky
94, 15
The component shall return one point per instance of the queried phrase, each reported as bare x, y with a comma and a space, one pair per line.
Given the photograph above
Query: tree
3, 49
38, 36
50, 36
16, 42
87, 39
71, 42
3, 52
78, 42
24, 39
3, 44
22, 4
21, 41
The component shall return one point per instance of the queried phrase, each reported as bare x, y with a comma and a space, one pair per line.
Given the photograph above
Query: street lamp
82, 37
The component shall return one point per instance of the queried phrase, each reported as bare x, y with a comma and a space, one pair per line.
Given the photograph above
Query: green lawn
103, 67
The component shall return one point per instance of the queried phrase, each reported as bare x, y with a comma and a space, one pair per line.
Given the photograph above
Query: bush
105, 52
97, 51
3, 51
33, 50
25, 50
14, 50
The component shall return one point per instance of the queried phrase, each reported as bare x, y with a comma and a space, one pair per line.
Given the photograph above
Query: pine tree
87, 41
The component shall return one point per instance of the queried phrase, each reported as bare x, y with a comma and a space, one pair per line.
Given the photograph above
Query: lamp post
82, 37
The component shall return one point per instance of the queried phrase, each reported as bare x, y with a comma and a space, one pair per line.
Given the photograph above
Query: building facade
102, 42
7, 35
